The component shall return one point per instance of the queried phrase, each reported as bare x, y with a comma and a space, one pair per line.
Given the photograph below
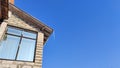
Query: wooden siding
3, 9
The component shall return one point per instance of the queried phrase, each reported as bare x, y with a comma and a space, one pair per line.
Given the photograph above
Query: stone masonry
16, 21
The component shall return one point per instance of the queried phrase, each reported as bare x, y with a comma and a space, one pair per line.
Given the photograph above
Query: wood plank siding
3, 9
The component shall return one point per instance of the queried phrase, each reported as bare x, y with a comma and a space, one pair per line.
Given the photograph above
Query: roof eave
28, 18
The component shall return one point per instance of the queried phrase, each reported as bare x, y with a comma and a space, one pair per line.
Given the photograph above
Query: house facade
22, 37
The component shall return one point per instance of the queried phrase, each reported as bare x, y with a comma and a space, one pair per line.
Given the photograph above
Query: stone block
27, 66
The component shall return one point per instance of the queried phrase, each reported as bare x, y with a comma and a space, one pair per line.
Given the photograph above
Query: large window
18, 44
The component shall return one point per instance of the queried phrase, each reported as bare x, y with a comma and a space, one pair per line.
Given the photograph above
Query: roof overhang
5, 6
28, 18
4, 9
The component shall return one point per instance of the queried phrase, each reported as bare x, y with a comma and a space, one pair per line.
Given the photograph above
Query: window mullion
18, 47
22, 42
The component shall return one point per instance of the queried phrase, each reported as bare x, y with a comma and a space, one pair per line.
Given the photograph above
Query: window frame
27, 30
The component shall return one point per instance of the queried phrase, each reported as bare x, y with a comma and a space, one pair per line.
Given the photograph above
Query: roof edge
28, 18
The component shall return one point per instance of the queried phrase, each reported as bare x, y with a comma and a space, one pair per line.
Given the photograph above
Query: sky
86, 32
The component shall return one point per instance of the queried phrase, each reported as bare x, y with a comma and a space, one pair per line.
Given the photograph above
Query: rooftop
5, 6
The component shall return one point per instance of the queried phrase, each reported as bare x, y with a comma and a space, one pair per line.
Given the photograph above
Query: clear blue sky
87, 32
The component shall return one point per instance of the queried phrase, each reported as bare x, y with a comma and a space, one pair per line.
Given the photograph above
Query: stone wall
15, 21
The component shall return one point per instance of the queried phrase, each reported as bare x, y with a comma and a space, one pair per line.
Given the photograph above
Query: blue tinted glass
29, 34
26, 51
8, 47
13, 30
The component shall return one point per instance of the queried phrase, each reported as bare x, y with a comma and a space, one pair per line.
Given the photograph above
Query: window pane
26, 51
29, 34
13, 30
8, 47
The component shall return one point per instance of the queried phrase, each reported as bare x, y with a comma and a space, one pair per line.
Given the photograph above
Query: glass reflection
13, 30
26, 51
29, 34
8, 47
18, 44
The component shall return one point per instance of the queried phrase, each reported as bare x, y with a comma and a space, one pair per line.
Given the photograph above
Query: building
22, 37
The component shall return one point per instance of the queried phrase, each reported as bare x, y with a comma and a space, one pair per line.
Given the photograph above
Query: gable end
26, 17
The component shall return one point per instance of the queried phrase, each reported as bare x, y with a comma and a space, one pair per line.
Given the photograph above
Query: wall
15, 21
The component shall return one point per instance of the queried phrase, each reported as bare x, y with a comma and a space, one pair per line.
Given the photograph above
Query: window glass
26, 51
29, 34
18, 44
13, 30
8, 47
